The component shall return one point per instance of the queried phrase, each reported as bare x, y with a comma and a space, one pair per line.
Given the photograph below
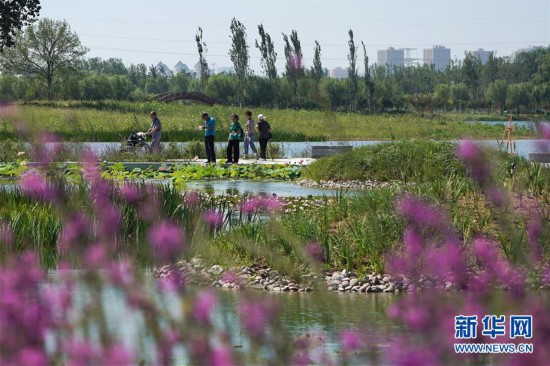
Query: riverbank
265, 278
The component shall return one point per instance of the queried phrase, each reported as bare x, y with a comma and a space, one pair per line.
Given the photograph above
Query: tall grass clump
415, 161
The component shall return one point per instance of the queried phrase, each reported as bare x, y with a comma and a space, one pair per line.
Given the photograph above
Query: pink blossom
468, 150
120, 272
229, 277
130, 192
35, 185
221, 356
74, 227
192, 198
256, 316
351, 340
95, 256
314, 251
166, 240
33, 356
203, 305
213, 218
475, 162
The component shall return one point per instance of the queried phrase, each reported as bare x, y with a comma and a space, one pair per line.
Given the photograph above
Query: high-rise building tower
439, 56
391, 56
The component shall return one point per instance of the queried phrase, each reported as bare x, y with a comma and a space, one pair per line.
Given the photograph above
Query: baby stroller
136, 142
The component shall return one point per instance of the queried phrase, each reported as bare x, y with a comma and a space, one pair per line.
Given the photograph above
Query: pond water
315, 313
303, 149
265, 188
238, 187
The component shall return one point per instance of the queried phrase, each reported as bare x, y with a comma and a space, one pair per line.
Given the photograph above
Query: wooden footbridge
198, 97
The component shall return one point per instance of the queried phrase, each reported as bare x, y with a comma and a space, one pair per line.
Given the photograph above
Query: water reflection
300, 314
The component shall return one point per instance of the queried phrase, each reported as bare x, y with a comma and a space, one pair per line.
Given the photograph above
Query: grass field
104, 121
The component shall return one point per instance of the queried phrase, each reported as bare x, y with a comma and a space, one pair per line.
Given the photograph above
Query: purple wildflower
203, 305
192, 198
314, 251
35, 185
475, 162
256, 316
130, 193
213, 218
221, 356
351, 340
74, 227
166, 240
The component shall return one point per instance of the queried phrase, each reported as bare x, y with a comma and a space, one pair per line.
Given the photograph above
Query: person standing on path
209, 134
155, 133
264, 133
249, 135
235, 132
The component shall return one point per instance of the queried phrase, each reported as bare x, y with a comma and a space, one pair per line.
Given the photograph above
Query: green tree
317, 71
179, 82
239, 55
334, 90
14, 15
223, 87
471, 68
519, 95
203, 65
367, 78
442, 96
460, 96
95, 87
353, 79
267, 51
489, 72
138, 75
294, 57
268, 60
46, 51
497, 94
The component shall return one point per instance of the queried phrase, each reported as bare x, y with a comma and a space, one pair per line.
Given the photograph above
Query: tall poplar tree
317, 69
352, 73
269, 56
294, 57
369, 84
239, 54
204, 72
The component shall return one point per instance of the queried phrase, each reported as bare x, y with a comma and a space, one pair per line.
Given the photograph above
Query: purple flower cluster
166, 240
255, 204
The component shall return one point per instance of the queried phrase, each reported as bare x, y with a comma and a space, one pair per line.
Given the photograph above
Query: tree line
46, 61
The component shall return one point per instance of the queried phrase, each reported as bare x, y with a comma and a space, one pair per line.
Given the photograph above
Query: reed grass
103, 121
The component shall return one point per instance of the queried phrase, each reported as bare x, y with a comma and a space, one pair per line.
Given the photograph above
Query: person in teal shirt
235, 132
209, 135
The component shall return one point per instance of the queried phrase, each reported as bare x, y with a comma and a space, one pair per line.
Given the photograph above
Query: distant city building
164, 69
391, 57
482, 55
439, 56
521, 50
339, 73
181, 67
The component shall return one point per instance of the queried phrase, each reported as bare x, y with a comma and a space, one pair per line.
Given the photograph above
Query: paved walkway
289, 161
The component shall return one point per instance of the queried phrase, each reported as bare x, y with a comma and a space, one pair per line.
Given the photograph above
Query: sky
158, 30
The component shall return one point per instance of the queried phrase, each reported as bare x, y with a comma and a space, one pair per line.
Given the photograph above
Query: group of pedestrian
236, 133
